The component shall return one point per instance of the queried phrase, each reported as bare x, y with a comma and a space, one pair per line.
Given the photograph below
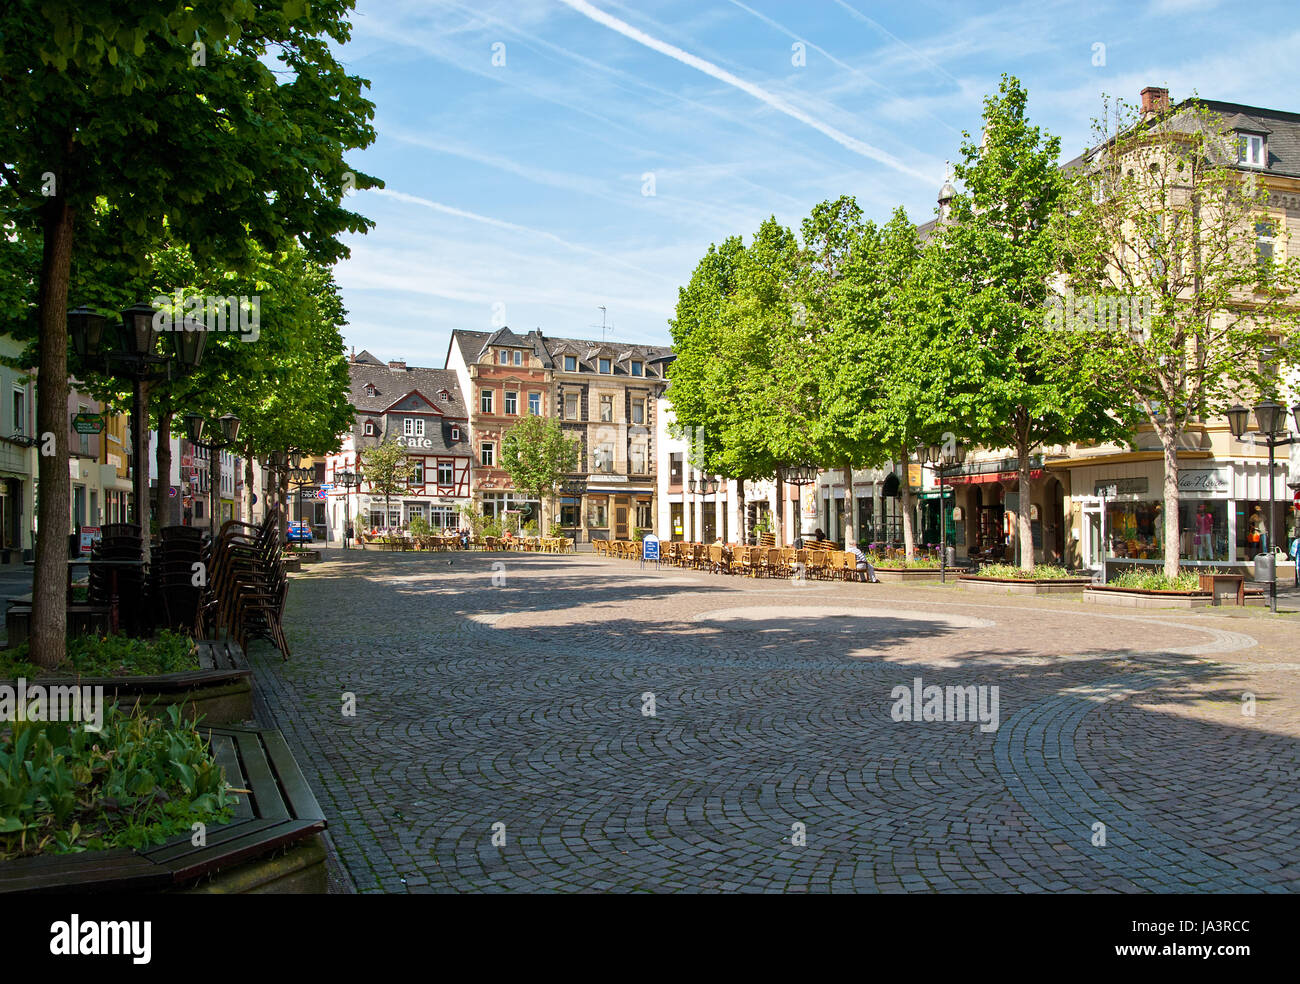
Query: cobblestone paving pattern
521, 704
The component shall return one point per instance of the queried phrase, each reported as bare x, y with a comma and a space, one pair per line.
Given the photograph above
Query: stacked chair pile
117, 574
247, 584
175, 590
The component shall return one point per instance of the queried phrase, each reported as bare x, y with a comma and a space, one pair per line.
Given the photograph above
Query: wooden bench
280, 811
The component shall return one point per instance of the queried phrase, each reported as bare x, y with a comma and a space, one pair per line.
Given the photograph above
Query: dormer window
505, 357
605, 366
370, 428
455, 433
370, 389
444, 396
637, 369
570, 363
1250, 149
519, 357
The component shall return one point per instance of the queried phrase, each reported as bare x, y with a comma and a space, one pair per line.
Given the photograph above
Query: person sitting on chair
864, 569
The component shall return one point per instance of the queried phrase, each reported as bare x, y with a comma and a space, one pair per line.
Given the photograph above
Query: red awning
988, 478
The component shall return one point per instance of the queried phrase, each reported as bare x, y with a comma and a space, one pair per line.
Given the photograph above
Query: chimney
354, 354
1154, 101
397, 364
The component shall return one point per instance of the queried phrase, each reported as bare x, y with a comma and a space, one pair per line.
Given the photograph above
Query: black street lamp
301, 477
941, 457
701, 485
349, 480
228, 428
798, 476
130, 350
1271, 418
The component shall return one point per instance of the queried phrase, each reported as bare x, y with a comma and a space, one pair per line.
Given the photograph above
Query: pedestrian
1295, 554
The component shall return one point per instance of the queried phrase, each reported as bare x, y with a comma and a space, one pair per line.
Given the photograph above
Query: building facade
422, 409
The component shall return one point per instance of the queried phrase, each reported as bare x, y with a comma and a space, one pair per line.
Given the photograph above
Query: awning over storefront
988, 478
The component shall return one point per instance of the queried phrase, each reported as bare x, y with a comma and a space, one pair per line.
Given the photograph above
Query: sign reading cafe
1206, 481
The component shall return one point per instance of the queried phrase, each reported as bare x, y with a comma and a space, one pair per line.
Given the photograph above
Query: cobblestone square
519, 710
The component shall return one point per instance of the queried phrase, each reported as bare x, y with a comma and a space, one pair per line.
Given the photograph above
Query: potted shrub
1008, 578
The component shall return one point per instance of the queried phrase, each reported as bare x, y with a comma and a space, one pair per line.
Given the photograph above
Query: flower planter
305, 556
1102, 594
909, 575
220, 692
292, 564
272, 844
1023, 586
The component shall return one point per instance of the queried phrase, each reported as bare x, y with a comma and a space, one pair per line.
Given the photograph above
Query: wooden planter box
910, 575
272, 844
1102, 594
221, 691
1023, 586
305, 556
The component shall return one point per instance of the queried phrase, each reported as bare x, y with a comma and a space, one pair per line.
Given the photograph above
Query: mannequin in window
1255, 531
1204, 533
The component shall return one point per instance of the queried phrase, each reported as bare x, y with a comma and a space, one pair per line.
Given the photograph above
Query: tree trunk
1169, 444
905, 500
282, 483
1023, 526
214, 476
850, 508
742, 518
140, 454
49, 578
778, 524
248, 486
162, 494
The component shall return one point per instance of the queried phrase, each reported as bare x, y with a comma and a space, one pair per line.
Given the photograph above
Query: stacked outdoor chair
247, 584
174, 595
118, 574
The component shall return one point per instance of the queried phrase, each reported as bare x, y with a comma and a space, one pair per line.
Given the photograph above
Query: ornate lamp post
228, 430
701, 485
349, 480
1271, 420
798, 476
940, 457
130, 350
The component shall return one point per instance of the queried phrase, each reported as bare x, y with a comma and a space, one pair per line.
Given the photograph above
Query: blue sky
522, 190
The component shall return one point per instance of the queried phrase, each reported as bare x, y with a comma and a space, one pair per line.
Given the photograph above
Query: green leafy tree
170, 113
536, 454
387, 469
1161, 259
1022, 384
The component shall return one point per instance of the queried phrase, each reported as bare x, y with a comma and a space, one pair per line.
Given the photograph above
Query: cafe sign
1203, 481
88, 423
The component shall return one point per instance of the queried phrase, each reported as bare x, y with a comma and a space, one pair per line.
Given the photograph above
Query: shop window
644, 514
569, 512
598, 513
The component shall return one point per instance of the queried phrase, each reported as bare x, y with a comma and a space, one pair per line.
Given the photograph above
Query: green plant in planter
764, 523
139, 781
530, 528
1041, 572
420, 526
638, 534
111, 655
492, 529
557, 531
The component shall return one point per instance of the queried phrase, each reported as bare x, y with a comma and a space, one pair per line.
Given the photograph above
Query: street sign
649, 548
171, 491
88, 423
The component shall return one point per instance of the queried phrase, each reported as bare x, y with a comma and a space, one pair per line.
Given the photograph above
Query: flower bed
1008, 579
1106, 594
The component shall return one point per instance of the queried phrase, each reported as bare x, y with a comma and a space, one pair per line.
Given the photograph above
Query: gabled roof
392, 385
621, 355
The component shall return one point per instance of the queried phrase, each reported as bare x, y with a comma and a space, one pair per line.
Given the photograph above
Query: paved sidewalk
518, 708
